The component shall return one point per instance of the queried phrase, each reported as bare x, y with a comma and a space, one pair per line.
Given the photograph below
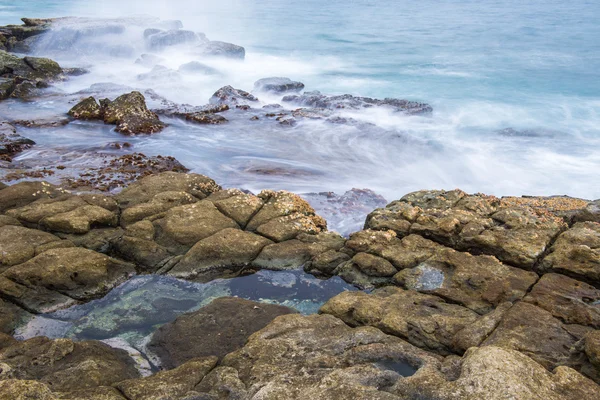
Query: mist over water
515, 90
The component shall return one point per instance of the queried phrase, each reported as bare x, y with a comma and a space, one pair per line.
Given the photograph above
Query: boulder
278, 85
221, 49
131, 115
80, 220
88, 109
160, 40
237, 205
423, 320
24, 193
215, 330
206, 118
576, 252
160, 203
12, 143
66, 365
11, 316
18, 389
232, 97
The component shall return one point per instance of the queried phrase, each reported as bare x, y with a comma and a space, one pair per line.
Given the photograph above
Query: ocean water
515, 88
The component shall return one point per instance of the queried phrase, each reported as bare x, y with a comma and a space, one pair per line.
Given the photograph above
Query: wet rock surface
278, 85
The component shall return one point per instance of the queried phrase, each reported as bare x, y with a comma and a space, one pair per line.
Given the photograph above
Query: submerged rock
195, 67
318, 100
12, 143
217, 329
278, 85
159, 40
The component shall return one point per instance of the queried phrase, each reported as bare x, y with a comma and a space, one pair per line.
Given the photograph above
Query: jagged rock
79, 273
221, 49
217, 329
232, 97
131, 115
20, 244
224, 254
317, 100
423, 320
278, 85
174, 384
145, 189
576, 252
66, 365
512, 230
536, 333
284, 204
298, 357
88, 109
571, 301
494, 373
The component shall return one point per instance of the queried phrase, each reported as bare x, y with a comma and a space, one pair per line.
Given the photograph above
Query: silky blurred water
484, 66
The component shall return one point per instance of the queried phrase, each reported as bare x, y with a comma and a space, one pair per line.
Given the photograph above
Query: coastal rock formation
12, 143
232, 97
129, 112
22, 77
473, 296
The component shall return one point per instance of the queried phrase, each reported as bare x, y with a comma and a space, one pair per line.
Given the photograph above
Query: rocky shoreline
462, 296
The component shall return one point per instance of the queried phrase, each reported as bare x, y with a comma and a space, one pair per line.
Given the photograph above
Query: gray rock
278, 85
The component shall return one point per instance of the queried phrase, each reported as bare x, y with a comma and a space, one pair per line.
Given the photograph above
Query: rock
80, 220
474, 334
423, 320
87, 109
317, 100
514, 231
373, 265
24, 193
291, 254
318, 356
283, 204
11, 316
184, 226
160, 73
12, 143
96, 393
33, 213
149, 60
15, 389
536, 333
145, 189
278, 85
163, 39
206, 119
215, 330
232, 97
221, 49
20, 244
224, 254
495, 373
591, 212
99, 239
172, 384
237, 205
131, 115
571, 301
592, 348
79, 273
66, 365
195, 67
576, 252
160, 203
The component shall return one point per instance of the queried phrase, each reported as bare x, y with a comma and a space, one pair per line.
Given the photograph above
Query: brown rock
215, 330
19, 244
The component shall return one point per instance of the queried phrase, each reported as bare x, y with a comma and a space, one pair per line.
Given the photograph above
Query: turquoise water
484, 66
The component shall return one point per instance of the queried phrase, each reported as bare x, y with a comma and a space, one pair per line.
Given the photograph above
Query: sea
514, 86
